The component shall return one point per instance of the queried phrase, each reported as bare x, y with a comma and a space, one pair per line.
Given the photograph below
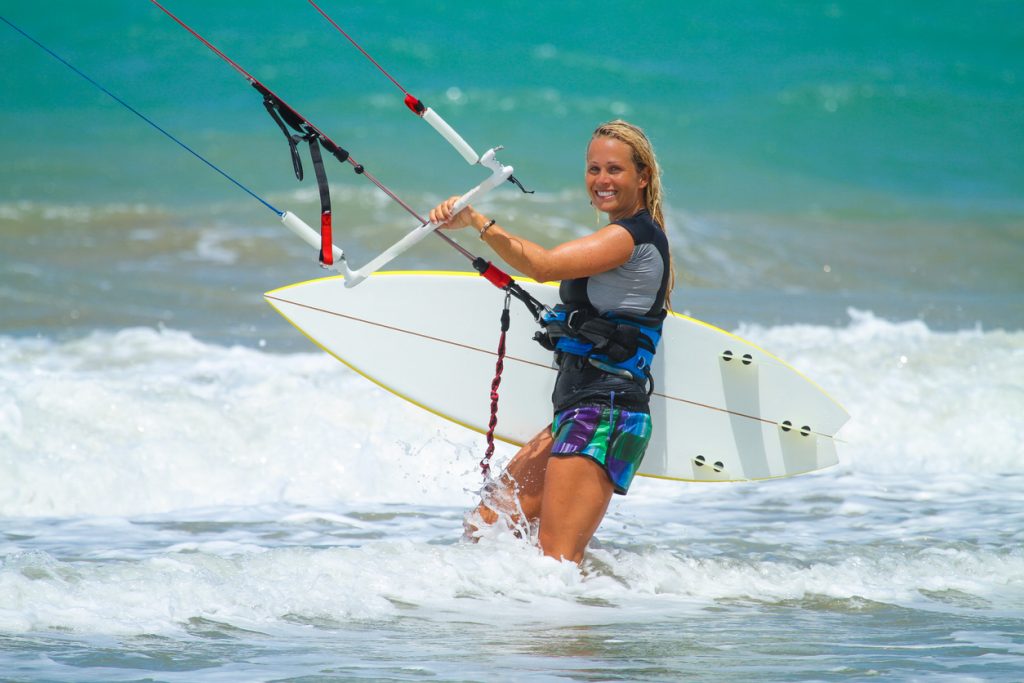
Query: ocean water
190, 491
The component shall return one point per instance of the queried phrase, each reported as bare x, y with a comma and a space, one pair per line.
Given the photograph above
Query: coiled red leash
485, 464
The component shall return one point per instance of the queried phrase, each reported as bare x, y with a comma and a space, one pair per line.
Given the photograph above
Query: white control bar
499, 174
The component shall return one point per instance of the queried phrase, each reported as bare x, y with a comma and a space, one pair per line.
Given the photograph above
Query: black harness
619, 344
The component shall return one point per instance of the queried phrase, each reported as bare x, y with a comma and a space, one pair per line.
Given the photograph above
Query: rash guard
637, 287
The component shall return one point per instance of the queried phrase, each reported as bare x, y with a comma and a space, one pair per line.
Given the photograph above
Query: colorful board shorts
614, 438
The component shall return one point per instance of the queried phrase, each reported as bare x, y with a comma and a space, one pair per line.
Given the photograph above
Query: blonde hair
643, 159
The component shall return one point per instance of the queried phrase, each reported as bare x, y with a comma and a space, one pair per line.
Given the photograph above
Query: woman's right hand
443, 216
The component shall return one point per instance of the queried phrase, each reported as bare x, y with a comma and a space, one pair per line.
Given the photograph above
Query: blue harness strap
618, 344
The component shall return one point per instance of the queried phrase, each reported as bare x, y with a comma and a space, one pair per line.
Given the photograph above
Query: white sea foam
500, 581
144, 421
17, 210
147, 421
921, 401
262, 490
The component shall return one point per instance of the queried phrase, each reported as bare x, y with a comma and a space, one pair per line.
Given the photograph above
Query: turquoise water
845, 187
845, 150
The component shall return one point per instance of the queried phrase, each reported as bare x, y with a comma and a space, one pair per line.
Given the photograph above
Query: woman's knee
576, 495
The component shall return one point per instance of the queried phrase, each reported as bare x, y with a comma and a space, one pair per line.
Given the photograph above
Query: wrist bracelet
487, 226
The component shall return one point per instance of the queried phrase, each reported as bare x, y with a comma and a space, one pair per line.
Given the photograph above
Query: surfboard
723, 409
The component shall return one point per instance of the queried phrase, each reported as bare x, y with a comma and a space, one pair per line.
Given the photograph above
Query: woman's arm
609, 247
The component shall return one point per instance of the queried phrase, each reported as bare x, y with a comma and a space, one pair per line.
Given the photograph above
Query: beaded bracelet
487, 226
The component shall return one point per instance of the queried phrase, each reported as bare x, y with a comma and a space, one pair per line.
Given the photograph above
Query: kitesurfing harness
619, 344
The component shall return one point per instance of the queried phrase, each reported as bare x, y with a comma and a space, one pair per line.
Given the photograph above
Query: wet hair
644, 160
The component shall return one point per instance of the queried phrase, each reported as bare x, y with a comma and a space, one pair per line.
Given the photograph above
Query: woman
616, 281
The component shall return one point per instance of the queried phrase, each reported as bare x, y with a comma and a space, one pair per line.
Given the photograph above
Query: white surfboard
723, 409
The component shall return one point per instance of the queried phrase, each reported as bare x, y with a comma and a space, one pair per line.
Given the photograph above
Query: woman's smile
613, 181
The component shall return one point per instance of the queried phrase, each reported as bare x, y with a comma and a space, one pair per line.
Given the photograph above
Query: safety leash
485, 464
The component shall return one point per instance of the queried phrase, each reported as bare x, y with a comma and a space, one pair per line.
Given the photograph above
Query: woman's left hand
442, 214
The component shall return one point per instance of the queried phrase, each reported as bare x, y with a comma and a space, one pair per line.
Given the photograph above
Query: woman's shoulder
642, 227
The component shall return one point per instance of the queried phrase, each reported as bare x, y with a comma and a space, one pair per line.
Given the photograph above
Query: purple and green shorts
614, 438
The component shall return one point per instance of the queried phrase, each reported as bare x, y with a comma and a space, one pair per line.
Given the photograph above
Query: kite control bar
499, 174
297, 128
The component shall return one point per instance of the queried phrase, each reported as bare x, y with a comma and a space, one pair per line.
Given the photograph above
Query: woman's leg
576, 494
569, 495
522, 479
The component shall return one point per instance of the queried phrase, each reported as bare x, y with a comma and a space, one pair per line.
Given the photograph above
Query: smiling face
614, 183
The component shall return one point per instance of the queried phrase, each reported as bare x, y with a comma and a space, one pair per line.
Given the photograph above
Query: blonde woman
614, 289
